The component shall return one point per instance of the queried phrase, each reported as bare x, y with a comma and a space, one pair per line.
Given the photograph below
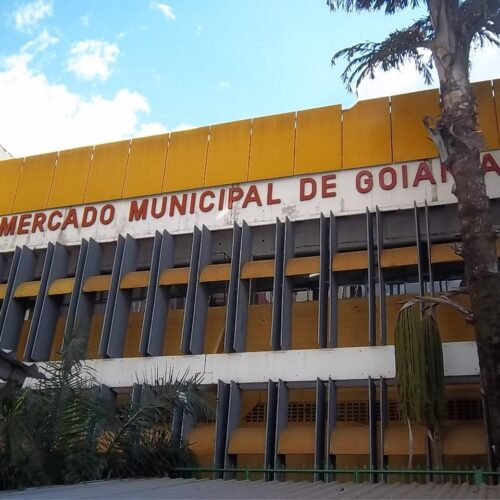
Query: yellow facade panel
27, 289
444, 252
297, 440
99, 283
410, 140
318, 140
258, 269
496, 89
486, 113
350, 439
186, 160
34, 185
349, 261
228, 152
61, 286
202, 439
107, 172
366, 134
174, 276
396, 439
248, 440
465, 438
10, 173
396, 257
3, 290
215, 272
135, 279
272, 147
146, 166
302, 265
70, 177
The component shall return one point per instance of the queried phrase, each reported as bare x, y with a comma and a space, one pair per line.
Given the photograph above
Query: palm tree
443, 39
62, 431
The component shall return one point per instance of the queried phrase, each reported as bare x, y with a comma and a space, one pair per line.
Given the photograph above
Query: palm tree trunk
462, 141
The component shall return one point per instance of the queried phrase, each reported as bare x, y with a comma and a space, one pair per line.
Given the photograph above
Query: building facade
270, 255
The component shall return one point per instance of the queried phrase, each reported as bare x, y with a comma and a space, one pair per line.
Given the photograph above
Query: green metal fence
477, 476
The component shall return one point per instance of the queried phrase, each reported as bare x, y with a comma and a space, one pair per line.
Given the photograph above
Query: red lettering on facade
8, 225
424, 173
235, 194
307, 189
24, 222
270, 198
444, 173
70, 220
252, 196
364, 181
39, 220
192, 203
489, 164
107, 214
328, 187
404, 171
158, 213
50, 224
138, 211
176, 204
387, 178
221, 199
206, 207
89, 216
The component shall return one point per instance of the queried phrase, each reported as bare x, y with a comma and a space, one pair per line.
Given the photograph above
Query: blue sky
75, 72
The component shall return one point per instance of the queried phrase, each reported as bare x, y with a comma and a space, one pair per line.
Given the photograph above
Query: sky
79, 72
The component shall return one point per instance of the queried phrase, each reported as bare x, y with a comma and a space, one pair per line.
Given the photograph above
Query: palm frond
400, 47
388, 6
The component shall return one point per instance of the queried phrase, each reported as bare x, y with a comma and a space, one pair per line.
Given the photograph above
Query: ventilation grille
358, 411
464, 409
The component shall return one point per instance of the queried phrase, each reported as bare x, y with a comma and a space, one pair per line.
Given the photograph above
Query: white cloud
153, 128
165, 9
485, 64
29, 15
85, 20
92, 59
44, 116
42, 42
223, 85
181, 127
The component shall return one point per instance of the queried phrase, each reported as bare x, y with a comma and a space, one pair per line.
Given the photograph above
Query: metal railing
478, 476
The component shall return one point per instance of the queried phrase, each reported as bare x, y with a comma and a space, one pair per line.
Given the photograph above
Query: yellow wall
372, 132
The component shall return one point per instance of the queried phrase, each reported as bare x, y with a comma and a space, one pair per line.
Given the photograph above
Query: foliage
478, 22
419, 366
63, 431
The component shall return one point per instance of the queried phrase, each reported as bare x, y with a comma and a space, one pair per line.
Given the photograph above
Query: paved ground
193, 488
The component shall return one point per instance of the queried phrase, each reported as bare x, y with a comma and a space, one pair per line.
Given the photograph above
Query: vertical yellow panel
35, 182
228, 151
70, 177
486, 113
366, 134
107, 172
186, 160
318, 141
272, 147
496, 88
10, 173
410, 140
146, 166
